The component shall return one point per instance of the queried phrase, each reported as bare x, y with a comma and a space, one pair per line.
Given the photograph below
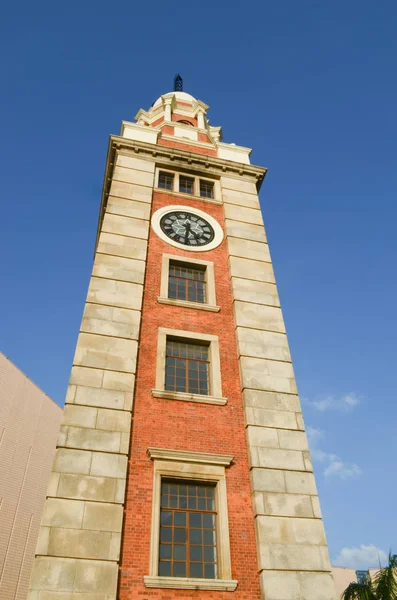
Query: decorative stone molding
214, 366
187, 304
182, 583
189, 196
191, 457
169, 395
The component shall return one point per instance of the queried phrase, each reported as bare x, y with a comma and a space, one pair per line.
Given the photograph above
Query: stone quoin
182, 468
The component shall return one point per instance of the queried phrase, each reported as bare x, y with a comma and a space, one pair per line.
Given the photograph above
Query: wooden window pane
179, 569
196, 570
166, 551
166, 518
187, 543
180, 535
186, 368
206, 189
209, 571
186, 184
186, 283
179, 552
165, 569
166, 180
165, 534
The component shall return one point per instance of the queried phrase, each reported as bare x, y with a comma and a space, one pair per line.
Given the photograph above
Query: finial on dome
178, 83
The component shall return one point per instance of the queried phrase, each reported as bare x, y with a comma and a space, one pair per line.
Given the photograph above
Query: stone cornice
172, 156
192, 457
157, 151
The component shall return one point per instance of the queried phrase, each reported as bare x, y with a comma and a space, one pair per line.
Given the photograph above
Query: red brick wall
176, 117
157, 122
190, 426
188, 147
167, 129
203, 137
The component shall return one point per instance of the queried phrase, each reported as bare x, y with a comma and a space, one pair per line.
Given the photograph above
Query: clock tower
182, 468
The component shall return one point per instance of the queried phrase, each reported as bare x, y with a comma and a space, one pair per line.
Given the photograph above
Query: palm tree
382, 587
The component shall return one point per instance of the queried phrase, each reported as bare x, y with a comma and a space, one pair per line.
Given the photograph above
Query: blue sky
310, 86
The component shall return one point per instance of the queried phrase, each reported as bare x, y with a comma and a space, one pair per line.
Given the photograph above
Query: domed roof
183, 96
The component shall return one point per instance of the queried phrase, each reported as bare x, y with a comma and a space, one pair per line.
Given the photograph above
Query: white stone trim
233, 152
183, 583
187, 456
185, 132
214, 360
209, 281
199, 471
201, 118
140, 133
159, 170
188, 304
218, 237
170, 395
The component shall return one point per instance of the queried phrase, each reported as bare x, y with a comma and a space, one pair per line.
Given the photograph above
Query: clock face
187, 228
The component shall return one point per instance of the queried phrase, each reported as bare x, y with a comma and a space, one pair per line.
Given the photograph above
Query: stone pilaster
292, 549
80, 537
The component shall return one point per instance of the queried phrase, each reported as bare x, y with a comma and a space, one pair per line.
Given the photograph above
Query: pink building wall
29, 426
343, 576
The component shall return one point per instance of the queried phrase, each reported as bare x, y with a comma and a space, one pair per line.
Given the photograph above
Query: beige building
343, 576
29, 425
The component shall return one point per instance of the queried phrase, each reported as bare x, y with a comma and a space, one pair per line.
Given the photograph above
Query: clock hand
187, 225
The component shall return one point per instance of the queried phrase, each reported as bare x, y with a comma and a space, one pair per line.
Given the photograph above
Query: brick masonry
187, 426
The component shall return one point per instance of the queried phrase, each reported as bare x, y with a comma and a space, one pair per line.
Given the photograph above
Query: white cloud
319, 455
341, 469
363, 557
343, 403
334, 466
350, 400
313, 434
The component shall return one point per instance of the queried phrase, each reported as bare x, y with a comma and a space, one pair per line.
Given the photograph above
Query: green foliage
385, 580
359, 591
382, 587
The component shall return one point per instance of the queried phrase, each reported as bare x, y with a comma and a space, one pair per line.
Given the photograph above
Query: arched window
185, 122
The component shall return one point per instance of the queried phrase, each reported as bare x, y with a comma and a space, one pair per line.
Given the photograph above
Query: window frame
169, 174
182, 282
201, 381
189, 544
362, 575
210, 303
203, 468
217, 194
215, 382
202, 179
192, 181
